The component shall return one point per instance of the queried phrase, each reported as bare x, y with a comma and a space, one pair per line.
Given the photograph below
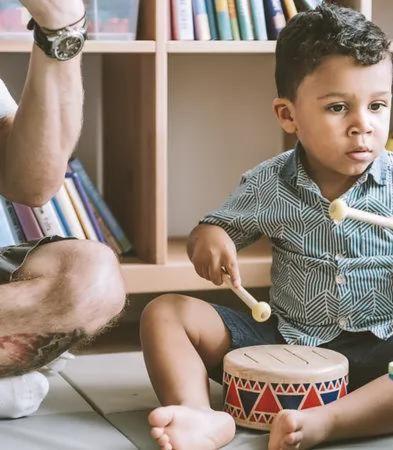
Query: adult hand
55, 14
210, 250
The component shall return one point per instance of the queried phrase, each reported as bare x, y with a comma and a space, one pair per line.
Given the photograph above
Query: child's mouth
360, 154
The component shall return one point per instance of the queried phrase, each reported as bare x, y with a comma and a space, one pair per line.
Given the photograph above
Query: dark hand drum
260, 381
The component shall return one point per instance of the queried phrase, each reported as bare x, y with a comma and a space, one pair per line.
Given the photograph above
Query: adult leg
65, 291
183, 337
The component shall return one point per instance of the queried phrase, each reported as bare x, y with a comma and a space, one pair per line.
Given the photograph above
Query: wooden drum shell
260, 381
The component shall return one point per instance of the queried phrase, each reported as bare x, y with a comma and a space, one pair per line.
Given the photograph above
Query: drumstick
260, 310
338, 211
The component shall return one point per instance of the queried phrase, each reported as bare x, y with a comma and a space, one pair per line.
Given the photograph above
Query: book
201, 21
80, 209
182, 20
101, 206
48, 220
62, 199
109, 238
304, 5
59, 212
259, 19
87, 205
275, 18
289, 8
234, 22
6, 235
245, 21
28, 221
13, 220
211, 14
223, 20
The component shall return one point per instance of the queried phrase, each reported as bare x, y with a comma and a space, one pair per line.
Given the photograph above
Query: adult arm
37, 142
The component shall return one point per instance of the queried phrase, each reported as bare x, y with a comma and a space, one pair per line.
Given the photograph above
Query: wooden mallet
261, 311
338, 211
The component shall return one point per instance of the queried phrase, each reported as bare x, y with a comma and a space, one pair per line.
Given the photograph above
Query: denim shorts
368, 355
13, 256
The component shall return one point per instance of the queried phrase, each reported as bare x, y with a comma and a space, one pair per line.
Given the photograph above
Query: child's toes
163, 440
156, 432
292, 440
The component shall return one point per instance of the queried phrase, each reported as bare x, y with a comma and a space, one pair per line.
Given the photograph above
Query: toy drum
260, 381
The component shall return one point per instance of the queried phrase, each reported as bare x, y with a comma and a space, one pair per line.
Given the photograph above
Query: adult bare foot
300, 430
183, 428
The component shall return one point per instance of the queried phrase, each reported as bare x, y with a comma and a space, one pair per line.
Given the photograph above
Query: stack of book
228, 20
76, 210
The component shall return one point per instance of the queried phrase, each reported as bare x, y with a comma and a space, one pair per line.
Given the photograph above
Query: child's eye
337, 108
377, 106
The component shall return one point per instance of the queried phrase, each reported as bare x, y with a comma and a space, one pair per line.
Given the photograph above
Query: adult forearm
45, 129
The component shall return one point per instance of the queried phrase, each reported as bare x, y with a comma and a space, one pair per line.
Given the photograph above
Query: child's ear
284, 111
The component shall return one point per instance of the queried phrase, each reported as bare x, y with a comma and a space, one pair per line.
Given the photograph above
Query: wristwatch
62, 44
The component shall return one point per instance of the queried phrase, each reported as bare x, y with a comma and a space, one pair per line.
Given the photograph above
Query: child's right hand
210, 249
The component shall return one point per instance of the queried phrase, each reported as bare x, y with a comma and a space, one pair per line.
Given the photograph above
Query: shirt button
339, 256
340, 279
342, 322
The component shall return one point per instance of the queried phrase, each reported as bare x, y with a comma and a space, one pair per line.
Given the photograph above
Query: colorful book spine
289, 8
223, 20
109, 238
16, 227
201, 20
259, 19
79, 208
6, 236
48, 219
234, 22
211, 14
87, 205
63, 200
63, 220
182, 20
28, 221
245, 21
274, 18
101, 206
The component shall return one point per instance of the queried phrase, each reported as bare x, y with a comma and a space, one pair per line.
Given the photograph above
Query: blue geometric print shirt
326, 278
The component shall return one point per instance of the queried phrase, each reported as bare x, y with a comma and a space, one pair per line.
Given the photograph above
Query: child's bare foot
300, 430
184, 428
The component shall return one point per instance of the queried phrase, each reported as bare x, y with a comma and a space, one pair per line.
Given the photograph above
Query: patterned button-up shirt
326, 277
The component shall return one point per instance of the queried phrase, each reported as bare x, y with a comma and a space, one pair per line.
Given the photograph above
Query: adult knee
92, 285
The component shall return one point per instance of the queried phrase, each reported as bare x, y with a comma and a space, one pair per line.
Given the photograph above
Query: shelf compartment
221, 46
178, 274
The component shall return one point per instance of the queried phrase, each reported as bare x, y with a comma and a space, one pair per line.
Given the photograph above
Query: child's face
341, 116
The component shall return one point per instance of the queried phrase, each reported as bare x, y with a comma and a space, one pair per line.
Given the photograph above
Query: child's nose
360, 124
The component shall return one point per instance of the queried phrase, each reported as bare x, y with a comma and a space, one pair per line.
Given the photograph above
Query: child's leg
364, 412
182, 337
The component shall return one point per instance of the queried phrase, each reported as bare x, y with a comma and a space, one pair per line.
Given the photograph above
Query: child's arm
210, 248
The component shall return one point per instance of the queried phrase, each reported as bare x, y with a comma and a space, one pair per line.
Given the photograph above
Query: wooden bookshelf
180, 122
24, 46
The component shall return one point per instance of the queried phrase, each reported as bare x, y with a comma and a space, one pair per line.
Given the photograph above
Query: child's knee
163, 306
22, 395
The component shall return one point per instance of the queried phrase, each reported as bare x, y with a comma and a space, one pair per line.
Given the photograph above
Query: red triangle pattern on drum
301, 389
279, 389
290, 389
312, 399
232, 397
247, 385
267, 402
343, 390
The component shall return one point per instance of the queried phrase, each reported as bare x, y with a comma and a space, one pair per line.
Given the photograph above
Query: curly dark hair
327, 30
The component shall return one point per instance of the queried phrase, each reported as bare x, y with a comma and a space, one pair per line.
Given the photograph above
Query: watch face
68, 45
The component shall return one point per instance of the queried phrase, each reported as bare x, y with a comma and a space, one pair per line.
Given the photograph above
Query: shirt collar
293, 165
